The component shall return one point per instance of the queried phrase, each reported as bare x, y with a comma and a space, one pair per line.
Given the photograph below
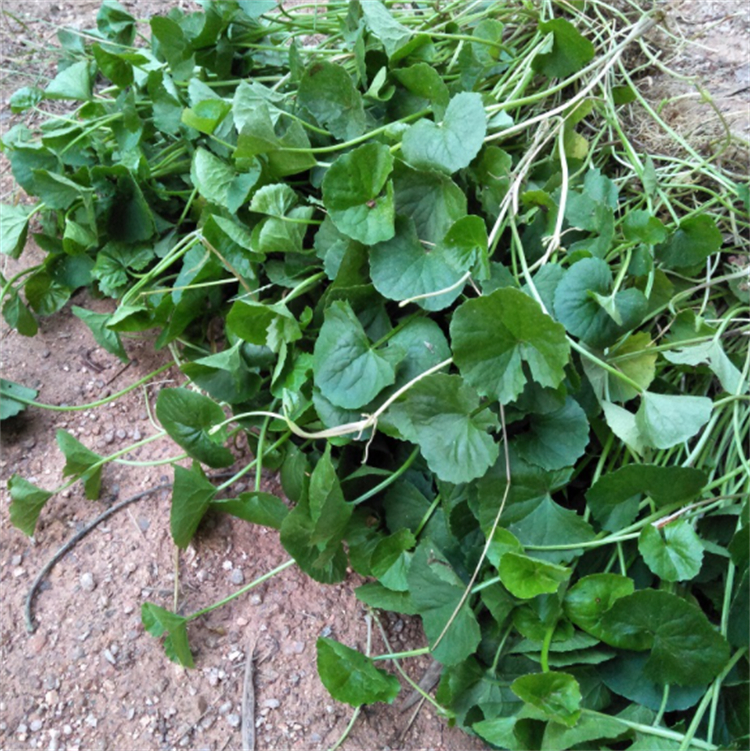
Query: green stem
280, 442
241, 591
403, 655
649, 730
427, 516
388, 480
90, 405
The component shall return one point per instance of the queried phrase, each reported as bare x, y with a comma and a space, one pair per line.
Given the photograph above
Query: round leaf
526, 577
685, 648
674, 553
557, 695
351, 193
452, 144
492, 336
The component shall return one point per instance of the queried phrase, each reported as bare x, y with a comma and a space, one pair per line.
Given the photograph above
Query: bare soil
89, 677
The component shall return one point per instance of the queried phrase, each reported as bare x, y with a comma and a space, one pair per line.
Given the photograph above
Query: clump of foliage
498, 356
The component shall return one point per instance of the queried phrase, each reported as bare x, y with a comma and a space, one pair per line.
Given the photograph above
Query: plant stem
90, 405
242, 591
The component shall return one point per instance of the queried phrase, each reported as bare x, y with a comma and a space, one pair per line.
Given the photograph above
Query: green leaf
492, 336
73, 82
424, 81
274, 200
351, 677
635, 358
551, 525
115, 23
584, 305
556, 439
591, 597
614, 497
205, 116
570, 50
258, 135
115, 67
224, 376
158, 621
526, 577
557, 695
347, 370
255, 507
713, 354
187, 417
624, 675
14, 226
172, 45
691, 243
431, 199
312, 532
436, 591
10, 407
269, 325
25, 98
81, 462
440, 413
27, 502
327, 91
18, 316
558, 737
452, 144
114, 263
192, 494
642, 226
685, 648
45, 295
666, 420
376, 595
217, 181
384, 26
425, 346
104, 337
352, 192
622, 424
403, 267
674, 552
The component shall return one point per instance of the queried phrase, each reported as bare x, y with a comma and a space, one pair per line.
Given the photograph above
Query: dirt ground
89, 678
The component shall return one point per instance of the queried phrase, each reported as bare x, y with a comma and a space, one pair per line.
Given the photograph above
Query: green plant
498, 356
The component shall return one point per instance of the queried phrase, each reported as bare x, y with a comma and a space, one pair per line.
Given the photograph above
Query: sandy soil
89, 677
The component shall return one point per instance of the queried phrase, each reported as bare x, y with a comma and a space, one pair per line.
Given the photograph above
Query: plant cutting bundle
498, 355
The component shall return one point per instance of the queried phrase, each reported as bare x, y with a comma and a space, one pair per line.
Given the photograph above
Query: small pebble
234, 720
35, 726
91, 721
109, 437
137, 435
298, 647
16, 560
237, 577
121, 434
87, 582
143, 523
256, 600
46, 353
272, 703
